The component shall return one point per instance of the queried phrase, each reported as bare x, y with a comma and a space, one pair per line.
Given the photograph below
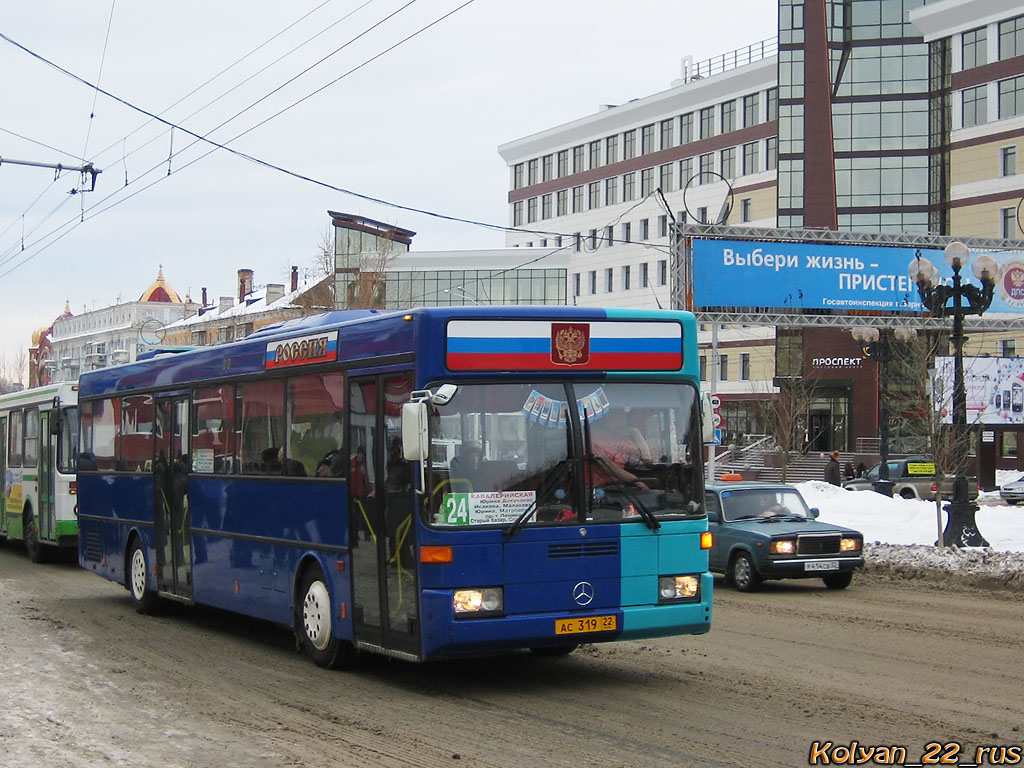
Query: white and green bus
38, 453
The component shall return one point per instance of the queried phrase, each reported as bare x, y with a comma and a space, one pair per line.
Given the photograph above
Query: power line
99, 77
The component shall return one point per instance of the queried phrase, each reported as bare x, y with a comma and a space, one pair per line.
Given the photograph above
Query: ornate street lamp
878, 346
961, 527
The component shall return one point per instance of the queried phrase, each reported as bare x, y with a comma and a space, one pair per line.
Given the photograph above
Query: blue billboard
817, 276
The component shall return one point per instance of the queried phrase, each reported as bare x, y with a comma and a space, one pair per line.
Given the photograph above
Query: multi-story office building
885, 116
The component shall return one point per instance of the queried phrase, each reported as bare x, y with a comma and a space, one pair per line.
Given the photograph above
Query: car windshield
535, 453
749, 503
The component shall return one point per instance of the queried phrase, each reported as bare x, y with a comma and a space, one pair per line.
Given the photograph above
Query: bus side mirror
55, 417
707, 418
414, 431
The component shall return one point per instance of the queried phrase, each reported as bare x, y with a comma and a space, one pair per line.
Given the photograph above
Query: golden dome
160, 290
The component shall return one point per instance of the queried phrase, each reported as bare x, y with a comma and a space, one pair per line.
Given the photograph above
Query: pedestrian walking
832, 470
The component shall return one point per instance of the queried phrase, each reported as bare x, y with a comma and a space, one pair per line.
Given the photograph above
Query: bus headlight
672, 588
850, 544
782, 547
475, 602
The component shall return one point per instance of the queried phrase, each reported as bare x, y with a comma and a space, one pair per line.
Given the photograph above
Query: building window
532, 168
517, 214
579, 159
593, 281
517, 176
745, 367
577, 199
647, 140
595, 154
609, 277
707, 167
594, 194
975, 106
663, 226
611, 150
1011, 38
645, 230
750, 158
563, 163
629, 145
729, 163
702, 215
592, 237
667, 131
707, 122
745, 210
751, 110
546, 164
545, 206
1009, 445
703, 367
666, 181
576, 284
646, 182
1011, 97
728, 110
625, 278
771, 153
579, 241
1008, 223
1008, 161
609, 235
974, 48
628, 187
1007, 348
611, 190
626, 232
723, 367
531, 210
663, 272
772, 104
686, 128
562, 202
644, 275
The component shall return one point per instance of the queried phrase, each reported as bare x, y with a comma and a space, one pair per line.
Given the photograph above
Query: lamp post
878, 346
961, 527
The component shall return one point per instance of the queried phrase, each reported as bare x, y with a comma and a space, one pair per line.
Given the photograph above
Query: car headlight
478, 601
783, 547
672, 588
850, 544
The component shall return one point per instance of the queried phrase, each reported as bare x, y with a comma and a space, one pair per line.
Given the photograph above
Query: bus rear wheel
143, 598
33, 546
314, 626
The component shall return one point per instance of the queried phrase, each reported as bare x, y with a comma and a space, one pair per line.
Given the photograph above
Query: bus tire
143, 598
33, 546
314, 624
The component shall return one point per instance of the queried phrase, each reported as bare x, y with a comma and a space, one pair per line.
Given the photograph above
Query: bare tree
12, 371
787, 416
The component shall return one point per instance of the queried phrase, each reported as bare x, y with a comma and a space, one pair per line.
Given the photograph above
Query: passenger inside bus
615, 446
466, 471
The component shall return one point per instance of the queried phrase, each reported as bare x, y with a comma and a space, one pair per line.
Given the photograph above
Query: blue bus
428, 484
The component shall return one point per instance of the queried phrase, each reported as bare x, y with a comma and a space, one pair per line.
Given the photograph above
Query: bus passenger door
45, 486
385, 599
170, 487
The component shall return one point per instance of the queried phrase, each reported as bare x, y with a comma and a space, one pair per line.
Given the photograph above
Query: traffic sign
716, 419
716, 402
718, 437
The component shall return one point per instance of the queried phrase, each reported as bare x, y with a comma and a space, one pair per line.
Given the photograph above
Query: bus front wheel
143, 598
313, 625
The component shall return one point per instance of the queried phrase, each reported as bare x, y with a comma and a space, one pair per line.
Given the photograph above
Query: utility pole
87, 168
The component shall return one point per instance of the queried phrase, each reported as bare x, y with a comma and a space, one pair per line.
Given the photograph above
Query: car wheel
907, 493
314, 626
554, 651
143, 598
743, 574
1011, 503
837, 580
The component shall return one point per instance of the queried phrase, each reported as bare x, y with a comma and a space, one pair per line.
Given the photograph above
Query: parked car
1013, 492
912, 478
766, 531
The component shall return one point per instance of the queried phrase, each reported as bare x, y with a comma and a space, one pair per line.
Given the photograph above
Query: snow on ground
899, 534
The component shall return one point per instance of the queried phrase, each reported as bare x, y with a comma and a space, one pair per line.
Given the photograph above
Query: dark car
765, 531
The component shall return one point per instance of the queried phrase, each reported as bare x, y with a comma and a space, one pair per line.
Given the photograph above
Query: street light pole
961, 526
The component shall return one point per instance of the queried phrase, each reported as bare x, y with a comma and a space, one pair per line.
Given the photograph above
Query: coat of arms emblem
570, 343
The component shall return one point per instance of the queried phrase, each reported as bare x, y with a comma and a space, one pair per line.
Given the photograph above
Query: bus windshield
67, 443
539, 453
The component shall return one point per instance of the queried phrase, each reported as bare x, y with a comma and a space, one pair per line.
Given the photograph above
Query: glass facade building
455, 287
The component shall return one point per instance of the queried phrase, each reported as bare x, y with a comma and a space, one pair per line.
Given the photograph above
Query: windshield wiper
645, 513
544, 488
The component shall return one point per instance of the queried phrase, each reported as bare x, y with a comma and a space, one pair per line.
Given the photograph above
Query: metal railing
726, 61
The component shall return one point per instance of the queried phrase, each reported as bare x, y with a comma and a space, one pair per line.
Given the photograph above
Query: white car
1013, 492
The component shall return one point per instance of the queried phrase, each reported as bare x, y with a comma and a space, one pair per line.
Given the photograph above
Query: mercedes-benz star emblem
583, 593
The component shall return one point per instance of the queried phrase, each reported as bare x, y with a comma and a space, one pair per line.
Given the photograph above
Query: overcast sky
418, 126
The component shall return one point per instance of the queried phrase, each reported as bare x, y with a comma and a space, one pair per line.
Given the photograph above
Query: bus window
100, 423
213, 430
261, 448
67, 443
31, 452
316, 424
17, 430
136, 437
